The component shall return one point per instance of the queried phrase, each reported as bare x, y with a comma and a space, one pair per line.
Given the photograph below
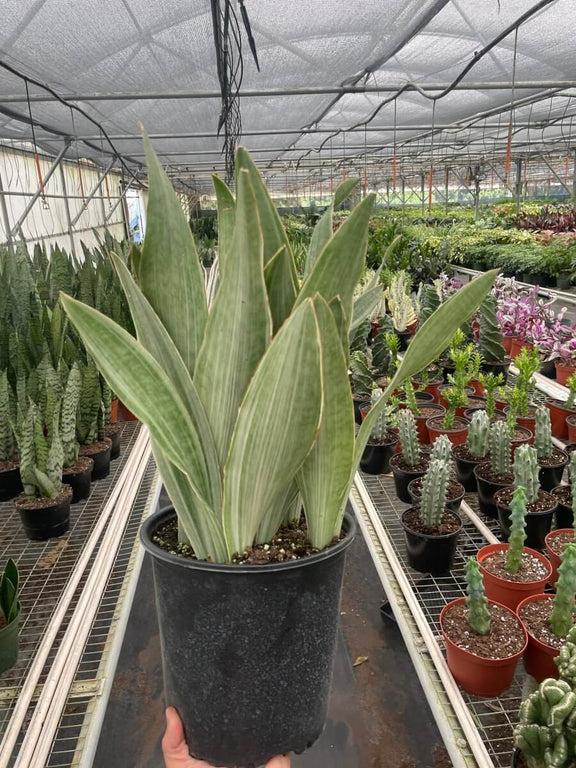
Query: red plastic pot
114, 410
432, 388
510, 593
527, 422
476, 675
571, 425
528, 439
538, 656
457, 435
477, 387
558, 414
468, 390
507, 343
421, 421
517, 346
555, 559
563, 371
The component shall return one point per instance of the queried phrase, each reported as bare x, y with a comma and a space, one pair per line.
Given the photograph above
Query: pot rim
555, 532
398, 456
161, 515
14, 621
560, 404
533, 599
430, 536
65, 487
489, 549
425, 404
489, 662
560, 463
463, 428
492, 482
534, 514
451, 501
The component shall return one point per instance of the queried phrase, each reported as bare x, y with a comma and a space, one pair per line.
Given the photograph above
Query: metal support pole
558, 179
5, 217
574, 177
38, 192
518, 183
67, 211
403, 192
87, 201
118, 201
446, 178
422, 183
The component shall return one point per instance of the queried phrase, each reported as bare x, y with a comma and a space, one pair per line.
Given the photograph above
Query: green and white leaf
226, 220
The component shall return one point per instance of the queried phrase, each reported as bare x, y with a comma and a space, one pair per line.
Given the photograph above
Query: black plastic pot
518, 760
247, 650
114, 433
101, 460
376, 458
10, 484
402, 478
564, 516
447, 368
550, 477
465, 471
9, 644
358, 404
48, 521
80, 482
430, 554
538, 524
453, 505
486, 490
403, 338
497, 368
548, 369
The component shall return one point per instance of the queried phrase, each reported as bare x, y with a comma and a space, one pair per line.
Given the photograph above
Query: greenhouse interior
206, 207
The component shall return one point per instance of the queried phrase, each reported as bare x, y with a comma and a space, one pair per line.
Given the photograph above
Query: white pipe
477, 522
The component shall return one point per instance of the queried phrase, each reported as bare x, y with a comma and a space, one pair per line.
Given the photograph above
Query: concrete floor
378, 716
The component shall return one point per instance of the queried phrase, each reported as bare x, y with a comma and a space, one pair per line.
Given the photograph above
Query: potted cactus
89, 425
431, 530
494, 359
474, 451
381, 444
10, 483
511, 571
422, 410
551, 460
361, 380
77, 470
494, 474
549, 618
251, 416
401, 307
520, 403
561, 412
491, 383
483, 640
410, 462
541, 505
44, 506
442, 449
9, 616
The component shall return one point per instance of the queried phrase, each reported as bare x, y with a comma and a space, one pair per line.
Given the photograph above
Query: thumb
279, 762
173, 743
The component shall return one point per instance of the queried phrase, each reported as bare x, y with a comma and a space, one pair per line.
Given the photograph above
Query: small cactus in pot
411, 449
491, 382
478, 432
551, 460
434, 493
494, 474
500, 444
441, 450
526, 472
476, 601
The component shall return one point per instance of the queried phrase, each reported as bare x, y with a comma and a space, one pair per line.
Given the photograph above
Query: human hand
175, 749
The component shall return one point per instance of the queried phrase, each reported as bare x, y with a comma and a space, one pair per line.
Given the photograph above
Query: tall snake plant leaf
430, 341
9, 591
171, 277
324, 477
265, 452
226, 220
239, 326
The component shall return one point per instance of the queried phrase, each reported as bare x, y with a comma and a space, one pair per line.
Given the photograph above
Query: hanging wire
513, 97
81, 180
431, 173
36, 157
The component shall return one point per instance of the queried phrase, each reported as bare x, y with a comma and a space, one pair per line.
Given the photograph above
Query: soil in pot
79, 478
551, 469
488, 483
483, 665
571, 426
543, 645
469, 413
100, 452
522, 436
558, 414
539, 515
219, 610
454, 495
563, 372
555, 543
44, 518
431, 549
376, 457
457, 434
510, 589
465, 463
564, 515
10, 482
404, 473
114, 433
474, 401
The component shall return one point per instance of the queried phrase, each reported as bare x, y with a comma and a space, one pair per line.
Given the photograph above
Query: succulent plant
455, 398
543, 436
361, 374
442, 449
41, 458
562, 617
478, 432
411, 401
517, 530
527, 363
409, 438
9, 582
571, 384
500, 444
526, 472
491, 383
7, 440
359, 337
380, 428
89, 405
69, 409
400, 303
478, 612
430, 300
490, 335
566, 659
434, 491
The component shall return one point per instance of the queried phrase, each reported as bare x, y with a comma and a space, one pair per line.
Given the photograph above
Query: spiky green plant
249, 398
500, 443
478, 432
69, 409
527, 363
546, 730
517, 530
490, 335
543, 436
393, 344
562, 617
411, 450
566, 659
385, 348
491, 383
361, 374
380, 428
411, 401
7, 440
478, 612
434, 492
441, 449
41, 459
455, 397
571, 384
89, 405
526, 471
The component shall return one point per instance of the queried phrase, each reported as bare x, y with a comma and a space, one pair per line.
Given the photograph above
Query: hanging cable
36, 157
511, 122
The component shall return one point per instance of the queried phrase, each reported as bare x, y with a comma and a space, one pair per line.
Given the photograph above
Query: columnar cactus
68, 412
409, 438
478, 431
500, 442
571, 384
561, 620
490, 335
393, 343
517, 530
526, 471
442, 449
528, 363
434, 491
7, 441
572, 476
566, 659
476, 602
361, 374
411, 401
546, 731
491, 383
380, 428
455, 397
543, 436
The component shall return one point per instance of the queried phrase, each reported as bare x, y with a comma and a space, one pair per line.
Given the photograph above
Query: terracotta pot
474, 401
457, 435
526, 439
127, 414
421, 421
555, 559
510, 593
477, 387
527, 422
558, 414
563, 371
442, 401
571, 424
469, 413
517, 346
538, 656
476, 675
507, 343
432, 388
114, 409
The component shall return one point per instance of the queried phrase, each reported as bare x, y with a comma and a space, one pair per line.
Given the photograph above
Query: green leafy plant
571, 384
9, 583
455, 398
476, 602
517, 530
41, 456
434, 492
491, 383
411, 450
68, 412
562, 617
527, 363
361, 374
526, 471
500, 443
478, 432
411, 401
249, 399
543, 434
7, 440
490, 335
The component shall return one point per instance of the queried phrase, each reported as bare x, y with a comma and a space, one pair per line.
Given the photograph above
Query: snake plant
249, 399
